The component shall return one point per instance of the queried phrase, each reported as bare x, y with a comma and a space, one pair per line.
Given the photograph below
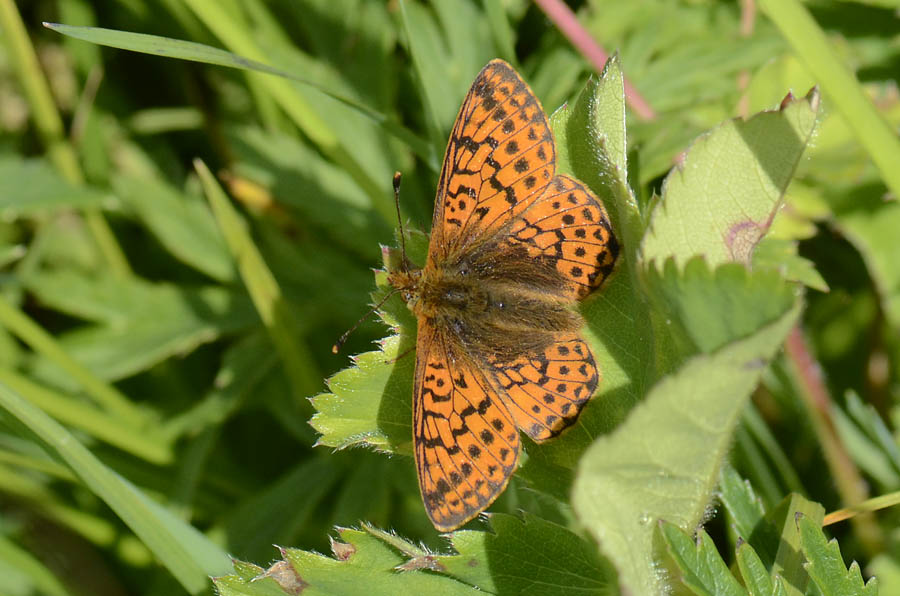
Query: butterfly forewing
500, 158
466, 443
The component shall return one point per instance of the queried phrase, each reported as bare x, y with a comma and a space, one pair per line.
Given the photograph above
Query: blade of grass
50, 127
42, 579
43, 343
263, 288
185, 552
813, 48
874, 504
198, 52
144, 443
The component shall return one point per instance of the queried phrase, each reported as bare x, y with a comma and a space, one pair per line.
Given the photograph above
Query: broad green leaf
32, 186
826, 567
369, 403
590, 136
700, 566
707, 309
183, 550
781, 255
528, 556
741, 170
663, 461
756, 576
181, 223
363, 562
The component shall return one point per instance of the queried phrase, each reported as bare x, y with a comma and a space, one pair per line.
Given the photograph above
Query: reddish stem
566, 21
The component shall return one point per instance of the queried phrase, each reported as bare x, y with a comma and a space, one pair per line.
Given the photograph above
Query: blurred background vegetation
124, 318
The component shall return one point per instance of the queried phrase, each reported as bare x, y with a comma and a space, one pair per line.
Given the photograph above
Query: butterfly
514, 245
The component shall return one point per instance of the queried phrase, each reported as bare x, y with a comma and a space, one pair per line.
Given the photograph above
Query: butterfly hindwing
546, 391
569, 227
466, 443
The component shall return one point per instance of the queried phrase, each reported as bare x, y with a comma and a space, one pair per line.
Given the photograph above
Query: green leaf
181, 223
871, 225
781, 255
709, 309
197, 52
663, 462
275, 514
183, 550
788, 562
139, 324
369, 403
32, 186
23, 573
699, 563
528, 556
363, 560
322, 194
826, 567
262, 286
755, 575
590, 143
738, 498
812, 46
722, 197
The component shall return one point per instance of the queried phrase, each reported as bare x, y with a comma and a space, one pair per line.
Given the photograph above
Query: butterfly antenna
337, 345
397, 177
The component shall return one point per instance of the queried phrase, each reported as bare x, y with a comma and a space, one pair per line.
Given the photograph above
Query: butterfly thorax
491, 310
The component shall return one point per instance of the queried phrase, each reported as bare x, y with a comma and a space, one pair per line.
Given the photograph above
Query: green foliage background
182, 243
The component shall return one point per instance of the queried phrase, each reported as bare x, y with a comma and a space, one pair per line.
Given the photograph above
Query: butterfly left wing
465, 441
546, 391
500, 158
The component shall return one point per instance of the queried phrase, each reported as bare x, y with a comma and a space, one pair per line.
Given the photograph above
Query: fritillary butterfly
513, 246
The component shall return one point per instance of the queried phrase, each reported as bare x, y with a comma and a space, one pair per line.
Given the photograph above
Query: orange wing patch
545, 393
569, 227
500, 158
466, 442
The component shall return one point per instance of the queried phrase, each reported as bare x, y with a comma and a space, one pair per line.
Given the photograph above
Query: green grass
193, 197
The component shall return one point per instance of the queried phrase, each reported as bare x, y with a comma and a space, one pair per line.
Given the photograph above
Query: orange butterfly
513, 247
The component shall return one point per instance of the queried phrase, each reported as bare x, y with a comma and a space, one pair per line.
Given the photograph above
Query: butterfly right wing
568, 228
466, 443
500, 158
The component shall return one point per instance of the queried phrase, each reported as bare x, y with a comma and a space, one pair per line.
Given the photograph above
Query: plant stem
848, 480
